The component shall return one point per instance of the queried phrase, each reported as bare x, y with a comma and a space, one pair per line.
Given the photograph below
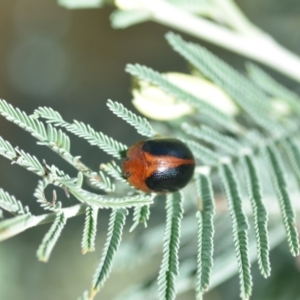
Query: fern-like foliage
141, 214
170, 266
102, 182
104, 201
11, 204
205, 233
280, 184
39, 193
107, 144
51, 237
251, 100
272, 87
90, 230
155, 78
293, 153
113, 240
7, 150
84, 131
259, 214
213, 137
239, 226
142, 125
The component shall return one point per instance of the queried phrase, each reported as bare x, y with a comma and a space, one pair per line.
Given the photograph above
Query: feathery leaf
90, 230
11, 204
51, 237
276, 167
149, 75
206, 155
293, 153
239, 227
205, 233
113, 240
259, 214
213, 137
105, 201
246, 94
273, 87
7, 150
170, 263
104, 142
141, 214
39, 193
102, 182
142, 125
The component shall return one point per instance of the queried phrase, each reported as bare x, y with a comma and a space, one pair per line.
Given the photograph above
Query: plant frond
155, 78
11, 204
51, 115
246, 94
20, 118
213, 137
239, 227
280, 185
57, 139
39, 194
6, 149
90, 229
29, 162
104, 142
207, 156
102, 182
142, 125
105, 201
1, 215
51, 237
141, 214
259, 214
113, 240
273, 87
293, 153
205, 233
114, 171
170, 262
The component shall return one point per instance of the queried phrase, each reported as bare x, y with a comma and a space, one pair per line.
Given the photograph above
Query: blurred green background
74, 61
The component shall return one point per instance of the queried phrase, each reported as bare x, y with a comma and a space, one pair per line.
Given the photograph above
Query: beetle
159, 165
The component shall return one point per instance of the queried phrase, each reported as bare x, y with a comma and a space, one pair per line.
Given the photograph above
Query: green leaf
41, 198
90, 229
206, 155
7, 150
155, 78
11, 204
113, 240
244, 92
169, 268
205, 233
259, 214
273, 87
141, 214
104, 142
239, 227
142, 125
105, 201
278, 172
51, 237
220, 141
102, 182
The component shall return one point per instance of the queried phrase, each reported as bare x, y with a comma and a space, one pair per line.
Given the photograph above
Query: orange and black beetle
159, 165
